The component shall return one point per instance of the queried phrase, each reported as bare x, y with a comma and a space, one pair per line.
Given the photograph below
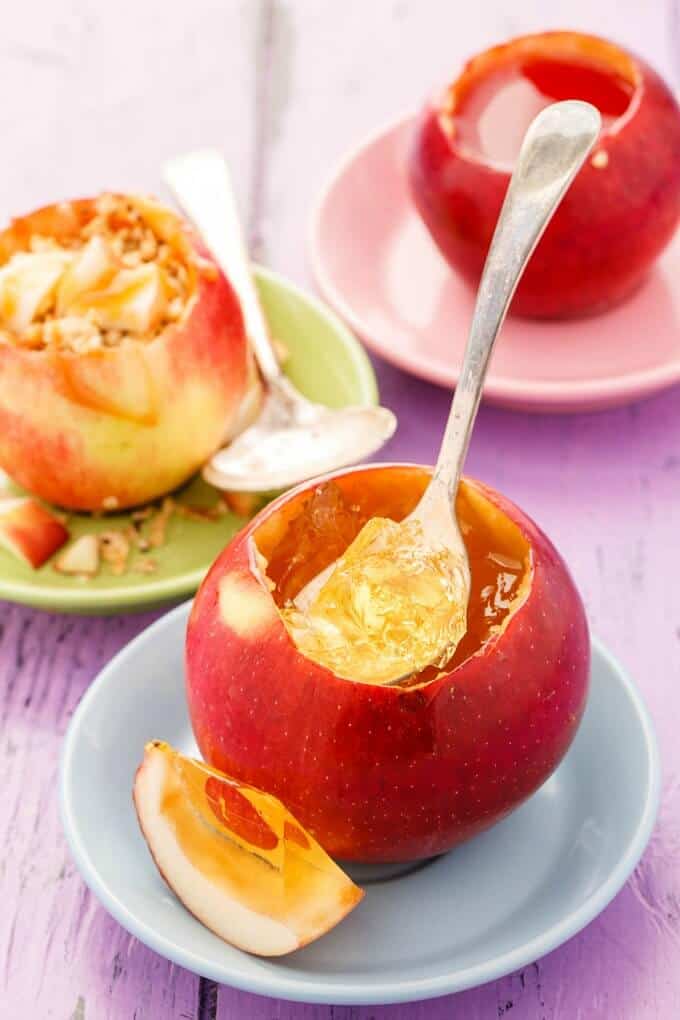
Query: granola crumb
115, 549
131, 259
175, 309
148, 248
159, 523
112, 337
197, 513
145, 565
142, 514
243, 504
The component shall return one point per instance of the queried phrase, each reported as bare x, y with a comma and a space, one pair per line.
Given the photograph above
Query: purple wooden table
96, 100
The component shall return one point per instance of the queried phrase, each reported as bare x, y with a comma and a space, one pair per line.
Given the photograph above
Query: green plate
327, 364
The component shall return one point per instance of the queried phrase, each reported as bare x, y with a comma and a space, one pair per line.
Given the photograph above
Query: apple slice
135, 300
81, 558
93, 266
29, 531
27, 285
235, 857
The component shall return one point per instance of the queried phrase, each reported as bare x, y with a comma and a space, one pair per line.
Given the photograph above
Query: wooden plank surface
97, 96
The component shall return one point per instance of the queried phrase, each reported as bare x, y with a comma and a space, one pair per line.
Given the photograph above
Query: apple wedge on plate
235, 857
29, 531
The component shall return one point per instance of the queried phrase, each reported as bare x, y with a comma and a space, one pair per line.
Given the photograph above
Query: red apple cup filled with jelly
124, 361
624, 204
376, 772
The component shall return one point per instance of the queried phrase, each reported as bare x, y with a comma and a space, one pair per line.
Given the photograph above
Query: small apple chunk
80, 559
29, 531
243, 504
27, 286
235, 857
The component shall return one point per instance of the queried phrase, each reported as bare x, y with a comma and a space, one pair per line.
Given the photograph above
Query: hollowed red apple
123, 355
380, 773
624, 204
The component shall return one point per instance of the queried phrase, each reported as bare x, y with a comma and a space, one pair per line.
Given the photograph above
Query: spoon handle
201, 183
554, 147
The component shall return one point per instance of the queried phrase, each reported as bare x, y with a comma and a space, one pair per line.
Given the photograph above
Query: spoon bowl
294, 439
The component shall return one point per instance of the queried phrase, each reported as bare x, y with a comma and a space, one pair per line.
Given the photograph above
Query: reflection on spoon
280, 449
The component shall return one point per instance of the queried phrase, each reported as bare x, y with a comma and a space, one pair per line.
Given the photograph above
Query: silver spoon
292, 439
554, 148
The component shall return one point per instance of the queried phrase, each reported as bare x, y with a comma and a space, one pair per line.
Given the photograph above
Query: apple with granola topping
124, 362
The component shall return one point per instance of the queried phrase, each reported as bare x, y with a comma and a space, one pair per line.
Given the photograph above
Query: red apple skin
30, 531
120, 426
613, 221
378, 773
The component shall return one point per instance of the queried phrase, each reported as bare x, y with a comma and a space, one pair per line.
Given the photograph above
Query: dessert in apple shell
624, 205
378, 772
124, 361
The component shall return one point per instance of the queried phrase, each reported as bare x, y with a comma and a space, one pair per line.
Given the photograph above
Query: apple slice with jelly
235, 857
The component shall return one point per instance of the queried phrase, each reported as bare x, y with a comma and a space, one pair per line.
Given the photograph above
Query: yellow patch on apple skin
117, 382
245, 607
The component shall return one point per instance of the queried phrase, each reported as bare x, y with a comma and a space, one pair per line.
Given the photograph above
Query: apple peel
29, 531
235, 856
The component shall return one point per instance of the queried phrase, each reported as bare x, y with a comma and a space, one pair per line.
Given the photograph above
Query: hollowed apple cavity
487, 110
315, 529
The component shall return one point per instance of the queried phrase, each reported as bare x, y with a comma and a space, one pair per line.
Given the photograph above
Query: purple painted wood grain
60, 954
260, 79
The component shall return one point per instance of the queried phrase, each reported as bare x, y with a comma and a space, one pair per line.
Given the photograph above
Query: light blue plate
485, 909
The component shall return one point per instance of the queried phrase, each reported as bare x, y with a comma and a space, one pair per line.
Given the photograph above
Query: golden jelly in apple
392, 606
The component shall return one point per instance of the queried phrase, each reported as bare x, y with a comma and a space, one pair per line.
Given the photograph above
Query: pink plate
375, 263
